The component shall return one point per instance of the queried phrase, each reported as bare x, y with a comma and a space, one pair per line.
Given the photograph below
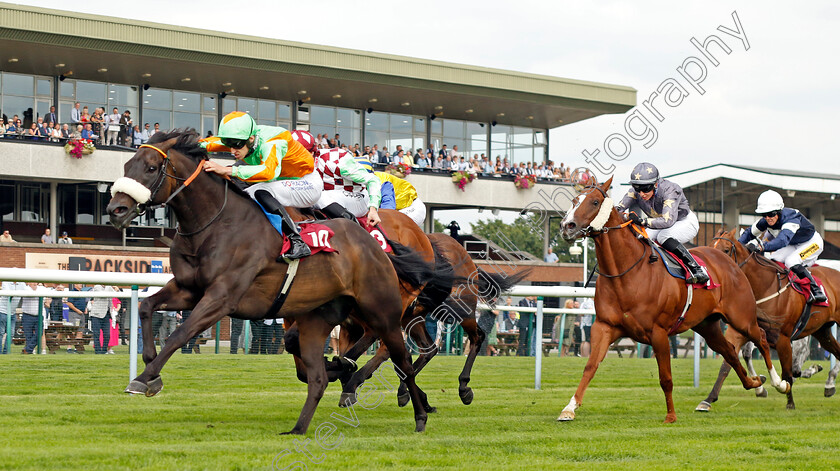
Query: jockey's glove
637, 220
754, 248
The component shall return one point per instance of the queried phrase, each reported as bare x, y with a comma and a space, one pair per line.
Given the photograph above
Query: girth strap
284, 291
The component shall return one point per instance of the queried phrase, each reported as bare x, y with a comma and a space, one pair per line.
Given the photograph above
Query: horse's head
589, 211
149, 178
727, 241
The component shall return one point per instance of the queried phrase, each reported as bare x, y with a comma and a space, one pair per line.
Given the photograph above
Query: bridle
162, 176
594, 230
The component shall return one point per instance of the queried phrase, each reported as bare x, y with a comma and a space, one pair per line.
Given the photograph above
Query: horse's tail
440, 286
491, 285
410, 267
771, 329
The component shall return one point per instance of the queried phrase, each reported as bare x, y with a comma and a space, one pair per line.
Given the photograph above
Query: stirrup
298, 249
698, 277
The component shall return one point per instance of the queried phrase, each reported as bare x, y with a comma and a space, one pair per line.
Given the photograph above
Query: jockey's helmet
768, 202
305, 139
236, 128
644, 174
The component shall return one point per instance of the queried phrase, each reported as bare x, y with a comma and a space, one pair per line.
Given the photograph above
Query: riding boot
817, 295
696, 273
298, 248
335, 211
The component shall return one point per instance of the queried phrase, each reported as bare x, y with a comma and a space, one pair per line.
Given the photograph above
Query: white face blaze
132, 188
570, 214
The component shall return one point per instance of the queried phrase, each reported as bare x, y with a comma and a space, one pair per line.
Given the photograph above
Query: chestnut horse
223, 262
779, 306
642, 301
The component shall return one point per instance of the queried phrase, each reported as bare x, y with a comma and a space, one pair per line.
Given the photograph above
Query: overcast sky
773, 105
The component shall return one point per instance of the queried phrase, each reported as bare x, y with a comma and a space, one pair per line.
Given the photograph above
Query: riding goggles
771, 214
644, 188
234, 143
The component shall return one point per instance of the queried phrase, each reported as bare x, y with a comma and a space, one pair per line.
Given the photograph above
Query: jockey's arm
628, 201
754, 231
783, 238
354, 171
670, 209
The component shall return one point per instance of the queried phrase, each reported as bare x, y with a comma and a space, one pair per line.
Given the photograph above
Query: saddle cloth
803, 285
675, 267
316, 236
377, 233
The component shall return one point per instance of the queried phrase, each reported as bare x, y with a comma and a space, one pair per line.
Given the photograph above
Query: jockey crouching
400, 195
665, 213
344, 180
280, 170
795, 242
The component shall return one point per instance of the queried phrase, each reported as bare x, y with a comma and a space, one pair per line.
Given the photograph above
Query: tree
438, 226
526, 234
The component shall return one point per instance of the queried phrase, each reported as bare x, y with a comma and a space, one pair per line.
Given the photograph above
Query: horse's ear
607, 184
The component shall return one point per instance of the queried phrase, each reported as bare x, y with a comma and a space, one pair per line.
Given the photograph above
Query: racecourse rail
136, 280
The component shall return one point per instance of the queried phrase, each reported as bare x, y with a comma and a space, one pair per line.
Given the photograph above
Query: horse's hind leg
710, 330
747, 353
399, 355
170, 298
476, 336
313, 333
737, 340
348, 394
603, 335
417, 331
829, 343
756, 335
785, 352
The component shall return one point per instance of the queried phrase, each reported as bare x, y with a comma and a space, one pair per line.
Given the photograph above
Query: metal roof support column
54, 210
816, 214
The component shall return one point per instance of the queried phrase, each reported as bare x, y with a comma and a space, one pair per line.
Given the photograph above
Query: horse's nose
568, 226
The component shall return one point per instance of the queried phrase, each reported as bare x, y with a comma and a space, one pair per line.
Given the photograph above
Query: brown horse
642, 301
472, 284
780, 307
223, 261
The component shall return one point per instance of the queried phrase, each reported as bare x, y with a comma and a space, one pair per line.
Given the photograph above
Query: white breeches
805, 253
416, 211
301, 193
683, 230
355, 202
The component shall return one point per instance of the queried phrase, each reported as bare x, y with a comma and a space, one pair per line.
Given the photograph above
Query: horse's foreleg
348, 395
170, 298
661, 349
392, 338
801, 349
746, 353
783, 348
737, 340
208, 311
313, 333
418, 333
603, 335
476, 336
829, 343
710, 330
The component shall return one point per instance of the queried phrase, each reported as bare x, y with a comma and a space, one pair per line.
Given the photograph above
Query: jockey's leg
817, 295
335, 211
697, 274
298, 248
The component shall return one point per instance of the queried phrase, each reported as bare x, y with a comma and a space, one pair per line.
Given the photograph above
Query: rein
598, 228
162, 176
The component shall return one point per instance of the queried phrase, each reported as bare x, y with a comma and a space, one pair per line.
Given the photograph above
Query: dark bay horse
636, 299
780, 308
459, 307
223, 261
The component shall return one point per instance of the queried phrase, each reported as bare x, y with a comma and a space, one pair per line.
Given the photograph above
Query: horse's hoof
155, 386
783, 387
466, 396
818, 367
292, 432
762, 378
136, 387
566, 416
790, 406
430, 409
760, 391
347, 399
420, 425
670, 419
402, 399
829, 392
703, 407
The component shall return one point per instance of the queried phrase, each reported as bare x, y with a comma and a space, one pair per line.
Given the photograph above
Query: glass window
18, 105
123, 96
247, 105
420, 125
158, 99
209, 125
376, 121
186, 120
86, 205
186, 102
400, 124
437, 127
228, 105
7, 202
67, 204
267, 111
284, 112
158, 116
523, 136
453, 128
209, 104
31, 209
322, 115
44, 87
349, 118
67, 89
14, 84
90, 93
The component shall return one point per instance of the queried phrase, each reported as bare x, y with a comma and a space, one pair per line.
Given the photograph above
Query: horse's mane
187, 143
